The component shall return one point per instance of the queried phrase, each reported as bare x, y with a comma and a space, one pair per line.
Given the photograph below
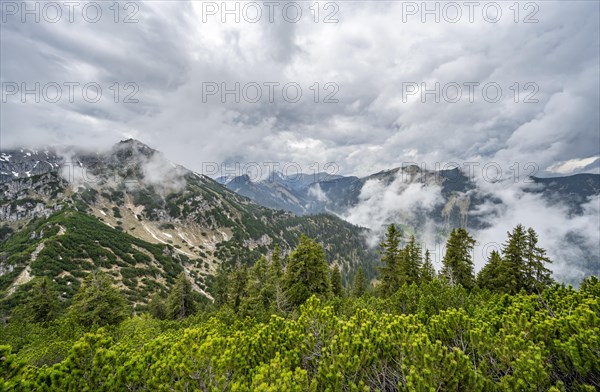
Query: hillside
145, 219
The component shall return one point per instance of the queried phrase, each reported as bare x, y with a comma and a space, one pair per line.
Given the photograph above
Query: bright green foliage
360, 284
427, 271
458, 261
337, 288
390, 253
307, 272
490, 342
180, 302
98, 302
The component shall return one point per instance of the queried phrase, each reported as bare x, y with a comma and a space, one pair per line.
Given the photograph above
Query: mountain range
131, 212
143, 219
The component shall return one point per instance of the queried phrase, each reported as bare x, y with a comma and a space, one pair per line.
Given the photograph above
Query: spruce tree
261, 289
513, 257
359, 286
98, 302
307, 272
238, 287
493, 275
537, 276
157, 307
180, 302
337, 288
390, 254
409, 262
42, 304
276, 275
458, 262
221, 286
275, 267
427, 270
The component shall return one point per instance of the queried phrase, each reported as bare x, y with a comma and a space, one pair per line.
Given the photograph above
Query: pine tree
390, 250
458, 262
261, 289
238, 287
513, 257
276, 275
275, 267
98, 302
492, 275
180, 302
221, 286
42, 304
359, 286
157, 307
307, 272
409, 262
427, 270
537, 276
336, 282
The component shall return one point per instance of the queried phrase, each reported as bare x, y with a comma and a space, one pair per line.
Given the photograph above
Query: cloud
400, 201
369, 54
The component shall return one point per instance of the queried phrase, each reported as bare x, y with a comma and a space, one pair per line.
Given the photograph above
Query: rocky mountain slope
461, 195
143, 219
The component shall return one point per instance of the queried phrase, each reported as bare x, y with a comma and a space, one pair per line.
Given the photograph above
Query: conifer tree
276, 275
98, 302
359, 286
275, 266
336, 281
409, 262
427, 270
221, 286
238, 287
513, 257
42, 304
306, 272
458, 261
492, 276
180, 302
261, 289
390, 254
537, 276
523, 263
157, 307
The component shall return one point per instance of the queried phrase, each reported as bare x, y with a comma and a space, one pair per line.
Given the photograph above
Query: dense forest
290, 324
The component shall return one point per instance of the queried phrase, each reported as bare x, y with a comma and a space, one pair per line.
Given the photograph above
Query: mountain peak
130, 148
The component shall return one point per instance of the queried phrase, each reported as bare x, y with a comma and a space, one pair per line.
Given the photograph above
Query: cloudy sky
361, 67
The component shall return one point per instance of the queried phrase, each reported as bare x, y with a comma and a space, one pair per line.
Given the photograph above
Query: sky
381, 83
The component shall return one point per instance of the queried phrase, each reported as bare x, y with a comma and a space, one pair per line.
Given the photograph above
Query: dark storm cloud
176, 47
